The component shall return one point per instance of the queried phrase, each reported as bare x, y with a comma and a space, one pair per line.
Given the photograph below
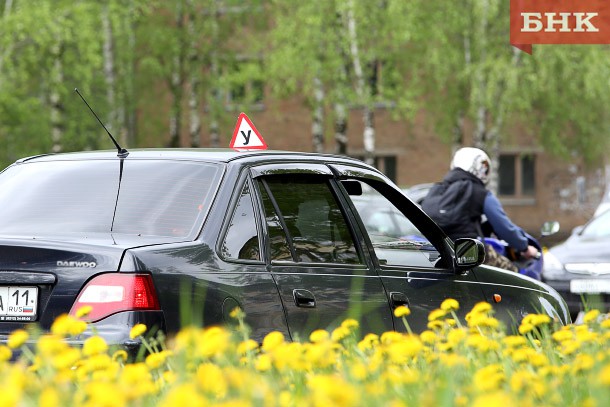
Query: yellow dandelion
137, 330
84, 311
489, 378
435, 325
66, 359
437, 314
340, 333
67, 325
583, 362
402, 311
450, 305
591, 316
120, 356
562, 335
156, 359
350, 324
370, 341
214, 341
481, 308
263, 363
272, 340
49, 397
94, 346
211, 380
514, 341
17, 338
319, 335
428, 337
525, 328
183, 395
604, 376
247, 346
455, 336
5, 353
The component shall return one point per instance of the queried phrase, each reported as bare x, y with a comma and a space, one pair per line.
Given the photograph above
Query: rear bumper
115, 330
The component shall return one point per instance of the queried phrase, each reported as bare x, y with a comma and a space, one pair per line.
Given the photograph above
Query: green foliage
451, 59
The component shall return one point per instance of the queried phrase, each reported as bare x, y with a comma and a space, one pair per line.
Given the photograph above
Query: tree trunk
369, 129
194, 75
317, 127
177, 82
8, 4
129, 130
215, 93
109, 70
340, 129
480, 136
57, 80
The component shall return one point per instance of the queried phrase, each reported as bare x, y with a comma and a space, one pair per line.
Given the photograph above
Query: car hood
579, 249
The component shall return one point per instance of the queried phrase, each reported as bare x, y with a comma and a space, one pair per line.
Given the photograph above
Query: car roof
224, 155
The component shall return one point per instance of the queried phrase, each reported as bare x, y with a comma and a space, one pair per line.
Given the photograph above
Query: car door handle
397, 299
304, 298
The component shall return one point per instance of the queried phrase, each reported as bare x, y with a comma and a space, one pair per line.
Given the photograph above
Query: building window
384, 163
246, 85
516, 175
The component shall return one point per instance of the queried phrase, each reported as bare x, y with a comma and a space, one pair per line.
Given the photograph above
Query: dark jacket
456, 204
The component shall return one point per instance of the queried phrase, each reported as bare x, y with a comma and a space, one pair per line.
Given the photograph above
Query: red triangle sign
245, 136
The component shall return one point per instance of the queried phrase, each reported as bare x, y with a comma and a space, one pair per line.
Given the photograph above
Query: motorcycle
529, 267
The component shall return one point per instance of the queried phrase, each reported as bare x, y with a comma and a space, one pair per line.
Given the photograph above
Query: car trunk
40, 279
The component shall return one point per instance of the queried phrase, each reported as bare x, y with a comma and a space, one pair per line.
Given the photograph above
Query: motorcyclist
470, 199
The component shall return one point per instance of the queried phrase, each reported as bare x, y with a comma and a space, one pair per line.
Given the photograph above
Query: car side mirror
549, 228
353, 188
469, 253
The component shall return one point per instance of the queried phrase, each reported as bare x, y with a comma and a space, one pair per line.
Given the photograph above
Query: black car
579, 268
161, 237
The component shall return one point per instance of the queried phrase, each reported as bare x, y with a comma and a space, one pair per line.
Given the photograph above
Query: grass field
454, 363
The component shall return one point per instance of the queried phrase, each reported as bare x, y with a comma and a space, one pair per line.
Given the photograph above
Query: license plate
589, 286
18, 303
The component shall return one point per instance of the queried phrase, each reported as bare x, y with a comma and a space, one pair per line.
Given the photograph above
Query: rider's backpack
453, 208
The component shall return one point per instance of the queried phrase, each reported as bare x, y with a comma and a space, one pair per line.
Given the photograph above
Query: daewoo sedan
168, 237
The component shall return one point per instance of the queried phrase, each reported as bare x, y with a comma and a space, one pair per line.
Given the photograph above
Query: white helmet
473, 160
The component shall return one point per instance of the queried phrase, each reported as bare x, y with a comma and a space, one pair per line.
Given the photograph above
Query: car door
416, 265
322, 272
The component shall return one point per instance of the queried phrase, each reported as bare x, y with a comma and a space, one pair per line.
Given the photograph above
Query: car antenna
122, 153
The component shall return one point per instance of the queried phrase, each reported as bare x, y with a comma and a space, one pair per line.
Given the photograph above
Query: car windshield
599, 227
155, 198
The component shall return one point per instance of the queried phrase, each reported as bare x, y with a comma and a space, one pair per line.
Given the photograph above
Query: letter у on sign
559, 22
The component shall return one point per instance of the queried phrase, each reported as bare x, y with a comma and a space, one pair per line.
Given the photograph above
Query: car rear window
145, 197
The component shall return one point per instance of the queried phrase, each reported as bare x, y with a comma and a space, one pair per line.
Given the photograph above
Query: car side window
396, 240
241, 241
305, 221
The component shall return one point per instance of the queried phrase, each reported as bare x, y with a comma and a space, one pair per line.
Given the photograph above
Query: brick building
533, 186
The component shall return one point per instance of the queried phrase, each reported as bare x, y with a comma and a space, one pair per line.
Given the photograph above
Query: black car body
579, 268
168, 237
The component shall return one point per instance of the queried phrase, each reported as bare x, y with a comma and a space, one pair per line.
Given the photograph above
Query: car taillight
114, 292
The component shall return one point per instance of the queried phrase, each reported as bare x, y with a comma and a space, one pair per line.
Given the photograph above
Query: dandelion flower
272, 340
5, 353
17, 339
137, 330
94, 346
319, 335
450, 305
84, 311
591, 316
402, 311
437, 314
